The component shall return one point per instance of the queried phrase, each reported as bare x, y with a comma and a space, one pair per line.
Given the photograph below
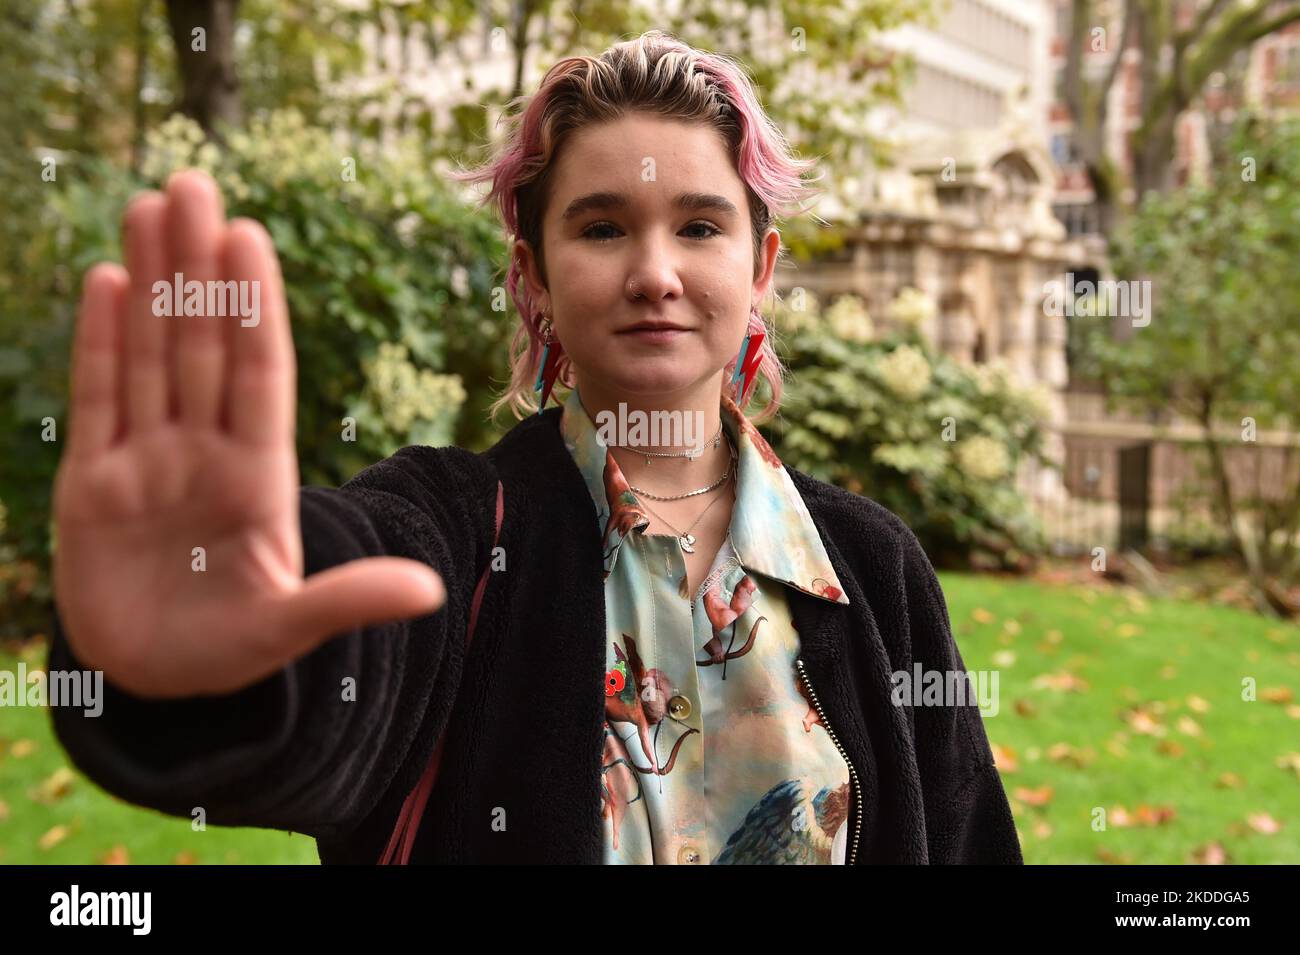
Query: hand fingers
195, 225
94, 408
261, 375
357, 594
145, 374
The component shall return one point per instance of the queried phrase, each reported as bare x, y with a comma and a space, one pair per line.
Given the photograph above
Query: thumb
359, 593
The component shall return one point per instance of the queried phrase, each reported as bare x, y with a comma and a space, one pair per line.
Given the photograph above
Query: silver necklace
690, 453
641, 492
685, 539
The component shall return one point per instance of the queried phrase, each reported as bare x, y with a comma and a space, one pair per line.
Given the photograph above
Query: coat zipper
853, 773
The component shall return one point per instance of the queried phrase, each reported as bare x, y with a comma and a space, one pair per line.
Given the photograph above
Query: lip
655, 334
654, 327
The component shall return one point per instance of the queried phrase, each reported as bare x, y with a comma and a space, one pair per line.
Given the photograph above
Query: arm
291, 752
968, 819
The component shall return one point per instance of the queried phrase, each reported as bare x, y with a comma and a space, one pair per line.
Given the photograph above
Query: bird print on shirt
792, 824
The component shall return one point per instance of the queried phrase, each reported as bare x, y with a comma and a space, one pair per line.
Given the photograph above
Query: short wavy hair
654, 73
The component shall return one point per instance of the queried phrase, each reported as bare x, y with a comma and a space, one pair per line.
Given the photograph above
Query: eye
587, 233
713, 230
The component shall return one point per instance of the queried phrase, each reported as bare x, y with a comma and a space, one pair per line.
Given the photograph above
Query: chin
651, 378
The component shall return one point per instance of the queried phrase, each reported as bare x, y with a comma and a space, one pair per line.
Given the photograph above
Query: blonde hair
655, 73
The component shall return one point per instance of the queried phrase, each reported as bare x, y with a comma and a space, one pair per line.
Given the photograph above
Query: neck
685, 420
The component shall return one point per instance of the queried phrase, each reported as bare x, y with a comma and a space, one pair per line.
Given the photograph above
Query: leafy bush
935, 441
389, 273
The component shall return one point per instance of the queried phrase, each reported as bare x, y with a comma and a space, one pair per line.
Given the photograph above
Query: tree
1220, 343
1180, 51
818, 64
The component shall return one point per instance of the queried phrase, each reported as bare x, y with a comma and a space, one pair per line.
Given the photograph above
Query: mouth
654, 332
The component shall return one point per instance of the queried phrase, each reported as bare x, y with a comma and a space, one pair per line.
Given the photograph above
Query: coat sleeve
968, 819
315, 746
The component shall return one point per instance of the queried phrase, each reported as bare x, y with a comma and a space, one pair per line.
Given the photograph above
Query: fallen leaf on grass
1170, 747
1277, 694
1075, 756
184, 857
1144, 722
1263, 823
1123, 858
53, 838
1198, 705
1153, 815
1035, 797
1004, 757
980, 615
54, 787
1026, 708
1188, 726
1229, 781
1210, 854
1063, 682
1289, 761
115, 856
21, 748
1143, 815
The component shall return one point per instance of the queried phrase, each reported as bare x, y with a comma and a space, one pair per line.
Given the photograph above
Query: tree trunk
203, 33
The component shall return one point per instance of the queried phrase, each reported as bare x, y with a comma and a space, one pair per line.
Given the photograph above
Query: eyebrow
691, 201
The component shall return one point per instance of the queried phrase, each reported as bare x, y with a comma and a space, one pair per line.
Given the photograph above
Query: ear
531, 273
768, 251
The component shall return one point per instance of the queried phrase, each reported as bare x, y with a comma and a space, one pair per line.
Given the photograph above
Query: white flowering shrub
934, 440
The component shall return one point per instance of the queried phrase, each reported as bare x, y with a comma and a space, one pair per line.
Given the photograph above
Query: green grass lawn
96, 826
1112, 701
1109, 702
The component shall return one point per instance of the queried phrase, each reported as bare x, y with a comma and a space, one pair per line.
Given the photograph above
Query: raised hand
178, 565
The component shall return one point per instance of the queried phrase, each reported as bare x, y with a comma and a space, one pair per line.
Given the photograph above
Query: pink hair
654, 73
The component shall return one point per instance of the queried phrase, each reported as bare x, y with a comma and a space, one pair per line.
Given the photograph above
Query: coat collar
771, 530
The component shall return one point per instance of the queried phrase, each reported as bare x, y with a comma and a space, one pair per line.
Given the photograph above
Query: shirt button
679, 707
688, 855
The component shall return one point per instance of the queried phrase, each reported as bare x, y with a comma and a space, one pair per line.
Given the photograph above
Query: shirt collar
771, 530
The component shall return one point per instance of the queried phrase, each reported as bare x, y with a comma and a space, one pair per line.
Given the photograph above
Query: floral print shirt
714, 752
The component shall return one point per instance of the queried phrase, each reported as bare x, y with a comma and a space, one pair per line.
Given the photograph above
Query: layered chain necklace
685, 539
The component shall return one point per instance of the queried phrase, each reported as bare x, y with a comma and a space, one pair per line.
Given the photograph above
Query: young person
591, 643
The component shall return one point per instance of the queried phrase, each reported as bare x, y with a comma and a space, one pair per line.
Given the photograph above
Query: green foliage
389, 276
1221, 344
933, 440
1220, 256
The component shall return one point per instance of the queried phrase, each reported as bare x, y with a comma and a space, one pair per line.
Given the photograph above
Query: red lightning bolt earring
747, 362
549, 365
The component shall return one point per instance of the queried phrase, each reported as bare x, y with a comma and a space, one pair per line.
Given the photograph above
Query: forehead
619, 155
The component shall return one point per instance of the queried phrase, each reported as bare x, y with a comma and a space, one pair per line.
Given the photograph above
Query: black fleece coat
522, 708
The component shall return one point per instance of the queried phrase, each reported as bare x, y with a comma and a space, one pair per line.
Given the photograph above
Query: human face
650, 205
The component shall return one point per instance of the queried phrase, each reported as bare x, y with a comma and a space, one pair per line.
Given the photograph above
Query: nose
653, 272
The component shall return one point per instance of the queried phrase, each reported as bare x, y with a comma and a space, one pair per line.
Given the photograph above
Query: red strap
408, 820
